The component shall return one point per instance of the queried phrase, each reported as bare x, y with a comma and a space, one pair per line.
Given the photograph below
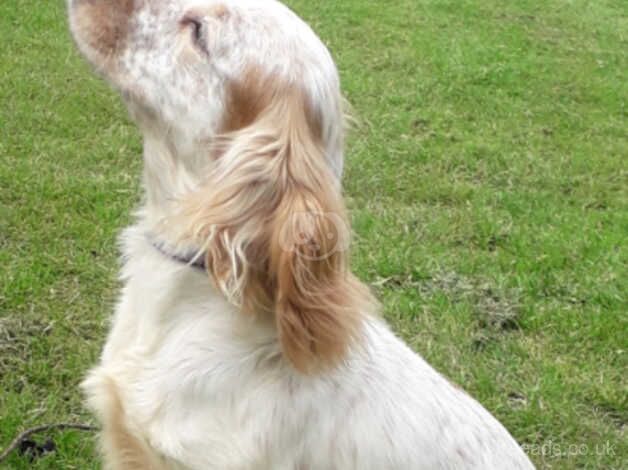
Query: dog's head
256, 96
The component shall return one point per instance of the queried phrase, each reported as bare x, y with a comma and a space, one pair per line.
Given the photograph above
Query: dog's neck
170, 172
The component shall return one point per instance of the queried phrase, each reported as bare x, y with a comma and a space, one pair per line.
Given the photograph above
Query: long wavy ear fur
272, 218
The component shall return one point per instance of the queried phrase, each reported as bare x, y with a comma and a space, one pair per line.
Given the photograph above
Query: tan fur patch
105, 23
122, 449
246, 98
254, 92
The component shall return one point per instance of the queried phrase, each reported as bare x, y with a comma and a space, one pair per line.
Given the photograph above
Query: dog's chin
140, 110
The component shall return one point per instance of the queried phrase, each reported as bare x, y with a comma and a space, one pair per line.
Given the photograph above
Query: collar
190, 258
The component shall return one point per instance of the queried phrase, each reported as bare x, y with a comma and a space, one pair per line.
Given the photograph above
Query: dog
241, 339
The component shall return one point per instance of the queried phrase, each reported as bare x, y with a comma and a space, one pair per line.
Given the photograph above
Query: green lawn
487, 180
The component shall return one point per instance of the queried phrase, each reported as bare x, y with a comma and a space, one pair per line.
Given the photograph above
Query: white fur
205, 386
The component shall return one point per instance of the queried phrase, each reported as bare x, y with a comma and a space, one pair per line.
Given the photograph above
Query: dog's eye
197, 31
196, 28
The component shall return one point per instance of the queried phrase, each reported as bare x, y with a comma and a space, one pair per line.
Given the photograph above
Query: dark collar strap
191, 259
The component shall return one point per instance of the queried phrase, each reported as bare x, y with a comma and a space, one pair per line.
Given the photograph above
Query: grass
487, 182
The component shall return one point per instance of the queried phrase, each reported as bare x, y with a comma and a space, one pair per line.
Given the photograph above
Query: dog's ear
273, 222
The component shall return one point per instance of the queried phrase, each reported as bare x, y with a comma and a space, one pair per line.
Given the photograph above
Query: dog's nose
102, 25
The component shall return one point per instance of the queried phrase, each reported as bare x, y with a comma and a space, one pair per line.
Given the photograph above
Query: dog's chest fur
208, 388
